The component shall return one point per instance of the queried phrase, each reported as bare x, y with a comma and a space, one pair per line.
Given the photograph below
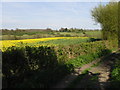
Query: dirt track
102, 72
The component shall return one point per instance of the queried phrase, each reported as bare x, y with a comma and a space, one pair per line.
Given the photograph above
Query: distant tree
16, 29
49, 29
63, 29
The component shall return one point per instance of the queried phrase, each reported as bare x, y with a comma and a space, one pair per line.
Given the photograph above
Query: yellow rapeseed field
10, 43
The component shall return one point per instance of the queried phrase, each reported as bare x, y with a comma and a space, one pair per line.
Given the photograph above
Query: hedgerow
43, 66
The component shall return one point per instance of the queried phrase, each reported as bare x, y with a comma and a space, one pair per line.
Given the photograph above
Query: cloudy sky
48, 15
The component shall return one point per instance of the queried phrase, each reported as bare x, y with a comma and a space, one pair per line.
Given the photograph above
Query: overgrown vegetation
84, 59
44, 66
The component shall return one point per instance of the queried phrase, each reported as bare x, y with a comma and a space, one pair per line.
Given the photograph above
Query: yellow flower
9, 43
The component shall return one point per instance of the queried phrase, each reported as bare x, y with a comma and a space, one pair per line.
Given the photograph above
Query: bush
66, 52
32, 67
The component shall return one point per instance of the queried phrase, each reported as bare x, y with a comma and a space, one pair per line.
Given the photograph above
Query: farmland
33, 33
45, 41
62, 58
39, 56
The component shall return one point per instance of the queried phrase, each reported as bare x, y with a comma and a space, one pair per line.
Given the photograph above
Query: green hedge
31, 67
44, 66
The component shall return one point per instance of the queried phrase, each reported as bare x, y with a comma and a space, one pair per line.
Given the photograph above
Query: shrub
32, 67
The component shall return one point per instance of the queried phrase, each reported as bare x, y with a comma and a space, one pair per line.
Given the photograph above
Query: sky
54, 15
58, 0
